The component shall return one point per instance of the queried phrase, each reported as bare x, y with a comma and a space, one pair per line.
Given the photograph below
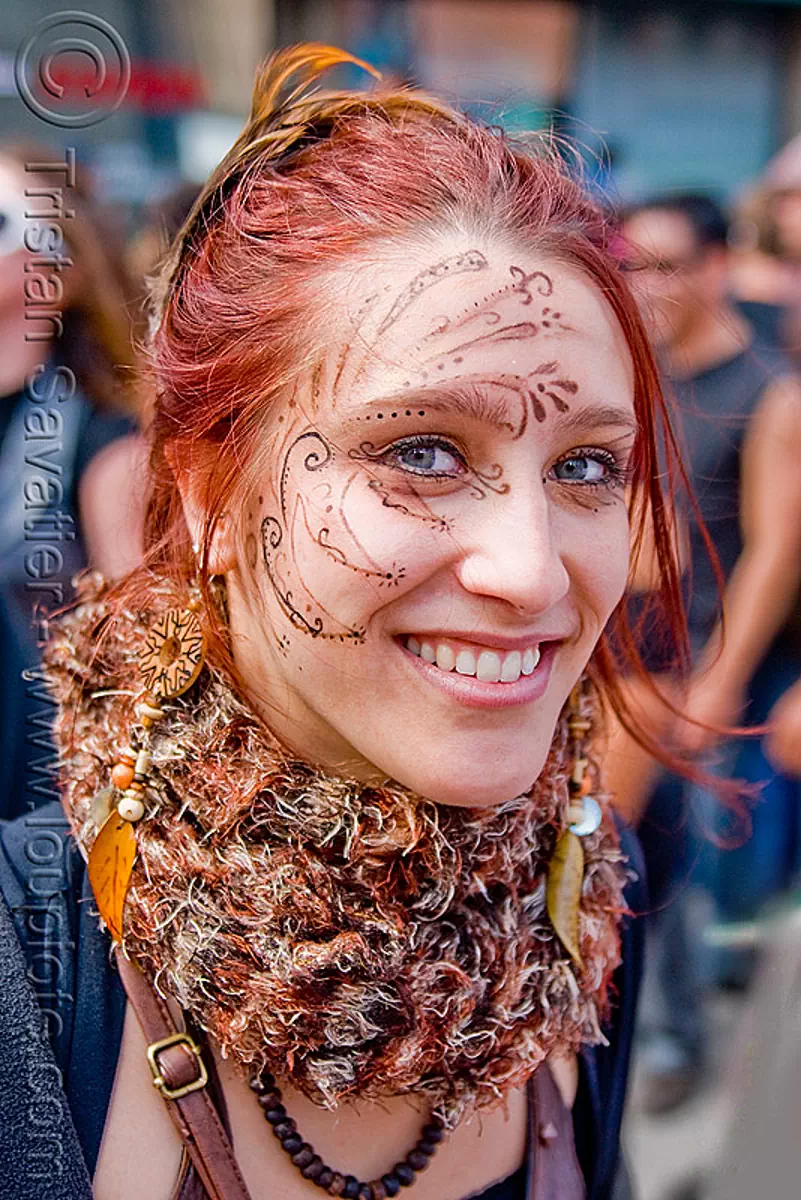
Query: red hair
312, 183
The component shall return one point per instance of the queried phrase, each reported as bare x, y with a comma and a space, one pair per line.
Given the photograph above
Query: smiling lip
474, 693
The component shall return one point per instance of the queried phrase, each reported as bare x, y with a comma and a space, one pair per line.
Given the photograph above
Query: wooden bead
337, 1185
324, 1178
304, 1155
122, 775
417, 1160
426, 1147
404, 1174
131, 808
365, 1192
284, 1129
292, 1144
276, 1114
391, 1183
142, 762
148, 713
377, 1190
313, 1168
270, 1100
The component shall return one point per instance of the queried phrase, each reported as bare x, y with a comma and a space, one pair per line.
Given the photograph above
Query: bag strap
553, 1168
180, 1075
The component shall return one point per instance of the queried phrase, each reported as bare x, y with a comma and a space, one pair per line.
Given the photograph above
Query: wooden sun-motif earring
169, 663
584, 816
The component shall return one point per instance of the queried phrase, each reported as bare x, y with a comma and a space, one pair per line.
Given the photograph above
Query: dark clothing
47, 439
44, 883
766, 320
512, 1188
716, 407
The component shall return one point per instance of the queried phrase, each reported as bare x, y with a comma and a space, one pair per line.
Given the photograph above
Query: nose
512, 551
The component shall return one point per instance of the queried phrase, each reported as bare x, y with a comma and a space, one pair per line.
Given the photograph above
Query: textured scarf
359, 941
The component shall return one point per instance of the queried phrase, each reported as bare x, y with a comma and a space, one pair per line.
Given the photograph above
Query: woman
405, 407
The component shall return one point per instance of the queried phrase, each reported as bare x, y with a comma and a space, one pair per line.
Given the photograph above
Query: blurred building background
674, 92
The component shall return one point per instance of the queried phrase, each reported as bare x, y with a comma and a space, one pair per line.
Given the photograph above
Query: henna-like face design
451, 471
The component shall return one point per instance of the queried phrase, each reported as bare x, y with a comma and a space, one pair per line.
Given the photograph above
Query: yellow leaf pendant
563, 891
109, 868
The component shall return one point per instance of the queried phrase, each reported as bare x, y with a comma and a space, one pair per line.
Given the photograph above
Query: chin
483, 786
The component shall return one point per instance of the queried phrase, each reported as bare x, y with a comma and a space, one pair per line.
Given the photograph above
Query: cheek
598, 562
341, 547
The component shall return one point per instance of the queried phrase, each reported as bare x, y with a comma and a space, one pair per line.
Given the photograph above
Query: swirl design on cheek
272, 535
440, 524
319, 456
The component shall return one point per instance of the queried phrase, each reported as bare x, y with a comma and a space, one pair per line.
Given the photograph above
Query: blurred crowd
721, 287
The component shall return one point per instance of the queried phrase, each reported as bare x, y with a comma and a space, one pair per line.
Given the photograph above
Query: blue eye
580, 468
426, 456
590, 468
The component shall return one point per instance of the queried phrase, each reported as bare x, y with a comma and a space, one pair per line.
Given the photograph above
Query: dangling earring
169, 663
584, 816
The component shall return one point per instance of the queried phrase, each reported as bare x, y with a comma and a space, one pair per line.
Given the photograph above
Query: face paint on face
443, 533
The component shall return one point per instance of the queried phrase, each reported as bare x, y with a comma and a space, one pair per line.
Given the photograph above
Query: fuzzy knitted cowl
358, 941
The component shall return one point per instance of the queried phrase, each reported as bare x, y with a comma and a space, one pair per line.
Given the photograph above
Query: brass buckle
176, 1039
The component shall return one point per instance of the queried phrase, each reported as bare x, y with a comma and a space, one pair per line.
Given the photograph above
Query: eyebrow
474, 401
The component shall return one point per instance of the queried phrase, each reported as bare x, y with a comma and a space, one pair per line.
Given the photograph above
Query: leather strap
553, 1172
553, 1169
194, 1114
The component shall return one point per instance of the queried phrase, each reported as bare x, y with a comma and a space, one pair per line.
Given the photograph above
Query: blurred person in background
766, 268
162, 221
70, 457
740, 426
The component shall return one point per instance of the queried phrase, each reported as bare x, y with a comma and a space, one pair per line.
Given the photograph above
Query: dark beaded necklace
312, 1167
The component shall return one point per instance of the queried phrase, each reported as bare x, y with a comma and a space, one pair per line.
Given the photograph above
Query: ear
193, 464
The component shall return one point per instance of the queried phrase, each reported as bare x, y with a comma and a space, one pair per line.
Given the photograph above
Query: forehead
660, 233
458, 307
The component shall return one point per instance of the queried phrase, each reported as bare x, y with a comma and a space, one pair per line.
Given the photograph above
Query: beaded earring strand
584, 817
169, 663
312, 1167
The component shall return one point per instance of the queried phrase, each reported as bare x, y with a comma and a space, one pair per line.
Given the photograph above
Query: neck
717, 335
20, 356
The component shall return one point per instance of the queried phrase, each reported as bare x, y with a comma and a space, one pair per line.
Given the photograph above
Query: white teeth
488, 667
530, 660
510, 671
446, 659
466, 662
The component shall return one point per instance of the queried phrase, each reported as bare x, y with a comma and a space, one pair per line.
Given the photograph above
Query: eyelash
424, 442
617, 471
617, 474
